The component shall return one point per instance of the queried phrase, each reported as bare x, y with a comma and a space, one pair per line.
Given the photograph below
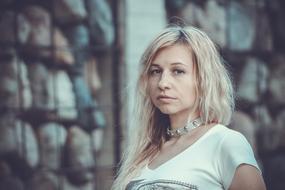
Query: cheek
151, 85
151, 90
189, 92
152, 95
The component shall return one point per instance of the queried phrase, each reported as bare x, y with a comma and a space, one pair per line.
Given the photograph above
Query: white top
208, 164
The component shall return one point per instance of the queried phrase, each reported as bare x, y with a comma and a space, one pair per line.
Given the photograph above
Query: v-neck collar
191, 146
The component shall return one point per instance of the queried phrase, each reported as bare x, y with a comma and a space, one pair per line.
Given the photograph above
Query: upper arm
237, 164
247, 177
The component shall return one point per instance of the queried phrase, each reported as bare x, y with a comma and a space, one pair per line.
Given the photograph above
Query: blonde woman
184, 102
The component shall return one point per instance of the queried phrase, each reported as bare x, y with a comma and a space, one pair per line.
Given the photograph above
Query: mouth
163, 97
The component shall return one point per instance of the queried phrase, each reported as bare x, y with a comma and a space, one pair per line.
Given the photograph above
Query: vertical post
116, 80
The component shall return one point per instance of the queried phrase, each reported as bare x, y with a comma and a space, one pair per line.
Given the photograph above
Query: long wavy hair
215, 101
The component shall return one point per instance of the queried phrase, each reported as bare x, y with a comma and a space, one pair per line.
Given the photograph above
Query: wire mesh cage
249, 36
55, 105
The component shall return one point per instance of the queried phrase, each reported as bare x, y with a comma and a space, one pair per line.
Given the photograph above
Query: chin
167, 111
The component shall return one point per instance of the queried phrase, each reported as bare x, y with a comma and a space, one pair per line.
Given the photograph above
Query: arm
247, 177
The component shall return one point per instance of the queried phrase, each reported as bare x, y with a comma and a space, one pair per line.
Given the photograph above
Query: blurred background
67, 68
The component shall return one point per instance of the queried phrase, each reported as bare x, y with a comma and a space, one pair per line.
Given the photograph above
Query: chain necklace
190, 125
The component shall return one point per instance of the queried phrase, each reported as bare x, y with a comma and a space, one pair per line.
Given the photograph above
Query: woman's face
171, 80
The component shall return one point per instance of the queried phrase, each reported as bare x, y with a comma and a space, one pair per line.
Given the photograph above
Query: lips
165, 98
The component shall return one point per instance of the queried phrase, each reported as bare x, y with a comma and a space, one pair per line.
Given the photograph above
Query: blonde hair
215, 100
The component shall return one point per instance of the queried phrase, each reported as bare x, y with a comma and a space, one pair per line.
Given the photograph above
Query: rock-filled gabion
250, 34
48, 114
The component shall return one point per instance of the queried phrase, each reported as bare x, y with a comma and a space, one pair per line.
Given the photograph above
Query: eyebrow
174, 63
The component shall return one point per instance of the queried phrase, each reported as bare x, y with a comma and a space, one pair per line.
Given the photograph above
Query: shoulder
234, 148
229, 137
234, 140
226, 135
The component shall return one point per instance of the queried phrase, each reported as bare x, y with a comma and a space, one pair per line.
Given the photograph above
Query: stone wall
55, 94
250, 36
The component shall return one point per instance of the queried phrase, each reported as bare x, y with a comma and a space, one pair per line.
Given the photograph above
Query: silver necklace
183, 130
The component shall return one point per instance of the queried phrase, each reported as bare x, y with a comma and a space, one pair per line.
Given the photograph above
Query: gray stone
79, 156
89, 114
38, 76
69, 186
253, 80
97, 137
28, 148
8, 32
280, 120
241, 27
60, 94
263, 38
24, 88
19, 139
269, 139
52, 137
44, 180
62, 51
101, 23
69, 11
78, 36
262, 116
211, 19
175, 6
277, 79
91, 75
272, 135
14, 84
275, 10
39, 39
280, 124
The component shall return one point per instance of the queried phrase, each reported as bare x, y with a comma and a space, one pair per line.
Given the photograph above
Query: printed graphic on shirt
160, 185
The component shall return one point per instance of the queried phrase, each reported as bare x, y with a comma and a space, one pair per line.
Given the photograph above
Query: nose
164, 82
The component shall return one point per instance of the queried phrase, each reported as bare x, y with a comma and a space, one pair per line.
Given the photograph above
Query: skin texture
248, 178
171, 86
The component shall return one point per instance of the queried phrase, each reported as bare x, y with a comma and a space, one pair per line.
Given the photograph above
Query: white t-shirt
208, 164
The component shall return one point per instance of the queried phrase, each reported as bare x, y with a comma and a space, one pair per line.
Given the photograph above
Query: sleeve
234, 151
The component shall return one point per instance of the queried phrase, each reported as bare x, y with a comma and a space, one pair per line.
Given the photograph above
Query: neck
180, 119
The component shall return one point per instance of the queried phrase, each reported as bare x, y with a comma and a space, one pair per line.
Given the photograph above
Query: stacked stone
250, 35
48, 78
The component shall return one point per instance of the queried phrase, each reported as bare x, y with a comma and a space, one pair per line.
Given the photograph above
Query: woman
184, 100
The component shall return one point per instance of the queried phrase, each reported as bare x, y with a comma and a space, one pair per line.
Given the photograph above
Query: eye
178, 71
154, 72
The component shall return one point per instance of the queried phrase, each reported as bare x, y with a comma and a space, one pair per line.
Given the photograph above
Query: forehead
178, 53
